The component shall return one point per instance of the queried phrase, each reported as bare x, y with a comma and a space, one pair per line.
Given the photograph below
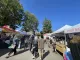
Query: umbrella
6, 28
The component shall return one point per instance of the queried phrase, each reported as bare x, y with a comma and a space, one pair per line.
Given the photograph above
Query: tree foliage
30, 23
11, 13
47, 27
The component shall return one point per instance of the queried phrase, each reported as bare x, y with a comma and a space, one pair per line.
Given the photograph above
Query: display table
60, 47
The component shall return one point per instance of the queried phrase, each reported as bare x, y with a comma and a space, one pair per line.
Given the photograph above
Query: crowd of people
51, 43
25, 41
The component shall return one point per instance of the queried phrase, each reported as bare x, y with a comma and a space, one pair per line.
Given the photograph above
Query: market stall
74, 29
61, 38
74, 41
9, 31
6, 36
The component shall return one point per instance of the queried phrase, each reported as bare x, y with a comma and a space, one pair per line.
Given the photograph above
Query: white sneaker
33, 57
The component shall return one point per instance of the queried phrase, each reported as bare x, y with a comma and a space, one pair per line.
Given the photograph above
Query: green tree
11, 13
30, 23
47, 27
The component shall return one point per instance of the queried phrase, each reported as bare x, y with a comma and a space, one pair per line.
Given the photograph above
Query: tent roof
61, 30
24, 32
47, 34
7, 28
74, 29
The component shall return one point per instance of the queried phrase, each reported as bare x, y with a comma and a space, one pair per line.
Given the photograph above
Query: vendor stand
61, 38
74, 41
9, 31
6, 36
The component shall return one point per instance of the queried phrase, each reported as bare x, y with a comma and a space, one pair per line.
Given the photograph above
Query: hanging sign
74, 29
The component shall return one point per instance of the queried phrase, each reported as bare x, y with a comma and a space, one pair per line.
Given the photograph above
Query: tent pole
65, 39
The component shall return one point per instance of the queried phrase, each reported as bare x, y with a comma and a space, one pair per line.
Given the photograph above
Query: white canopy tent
74, 29
60, 32
63, 32
48, 35
60, 38
23, 32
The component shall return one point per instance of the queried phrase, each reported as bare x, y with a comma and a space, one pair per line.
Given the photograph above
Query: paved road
26, 55
52, 55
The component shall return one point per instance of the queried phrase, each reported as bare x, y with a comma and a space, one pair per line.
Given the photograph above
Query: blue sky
60, 12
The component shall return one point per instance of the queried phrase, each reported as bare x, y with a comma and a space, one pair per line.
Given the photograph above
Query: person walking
22, 45
54, 46
26, 42
50, 43
41, 47
14, 47
35, 47
31, 41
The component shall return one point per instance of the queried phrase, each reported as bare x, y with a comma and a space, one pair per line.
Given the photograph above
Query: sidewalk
52, 55
22, 55
3, 51
26, 55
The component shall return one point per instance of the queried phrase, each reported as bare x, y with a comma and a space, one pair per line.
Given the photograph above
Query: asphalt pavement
26, 55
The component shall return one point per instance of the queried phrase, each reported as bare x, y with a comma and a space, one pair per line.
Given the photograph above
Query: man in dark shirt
31, 41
